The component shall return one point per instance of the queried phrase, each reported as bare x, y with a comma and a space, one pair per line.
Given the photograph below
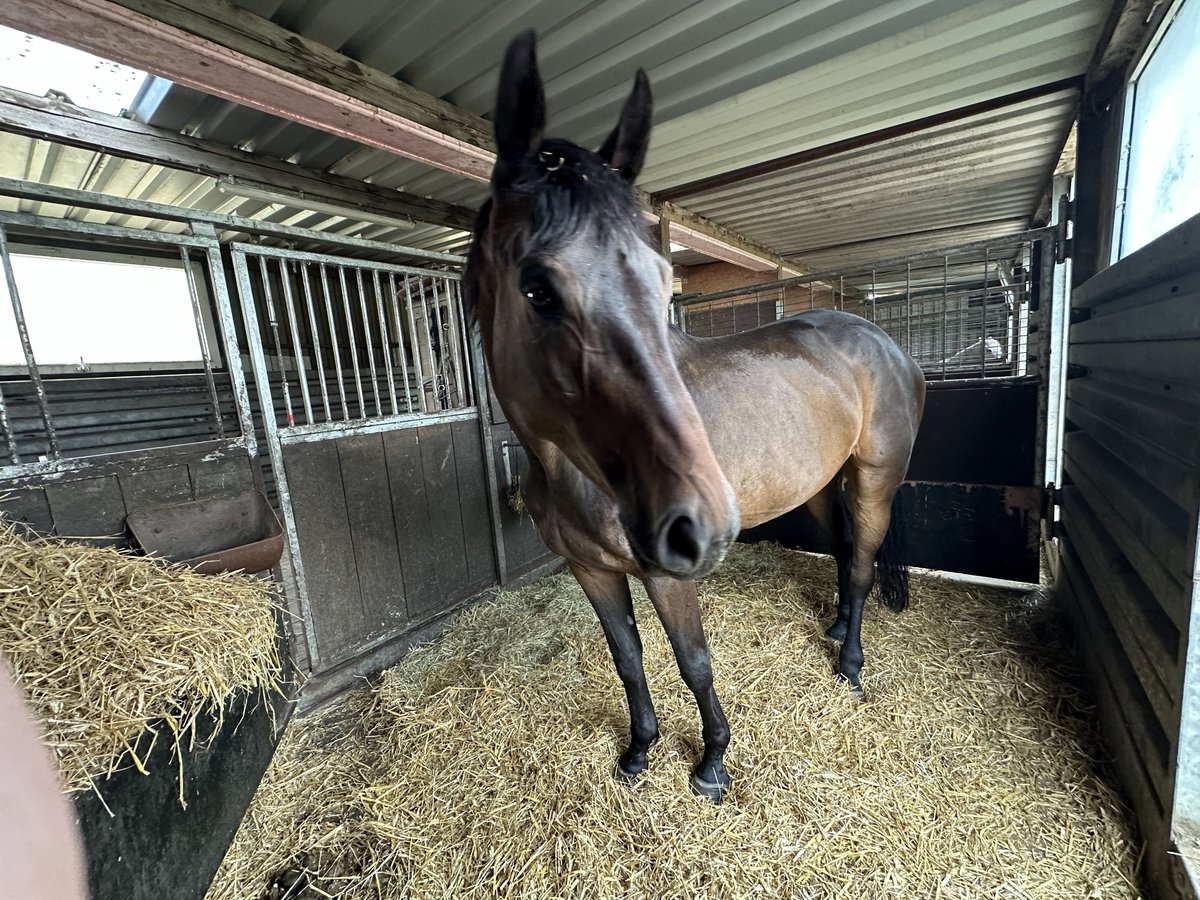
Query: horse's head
572, 300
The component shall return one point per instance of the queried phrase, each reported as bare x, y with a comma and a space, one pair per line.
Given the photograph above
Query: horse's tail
892, 577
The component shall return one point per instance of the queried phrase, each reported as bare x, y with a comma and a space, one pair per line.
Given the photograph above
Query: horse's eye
538, 290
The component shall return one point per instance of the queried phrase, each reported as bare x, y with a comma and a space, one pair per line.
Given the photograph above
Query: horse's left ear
520, 115
625, 149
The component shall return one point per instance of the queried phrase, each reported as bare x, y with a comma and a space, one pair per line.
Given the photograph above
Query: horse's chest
579, 525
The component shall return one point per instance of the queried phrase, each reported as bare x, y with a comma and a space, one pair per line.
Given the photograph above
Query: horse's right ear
520, 115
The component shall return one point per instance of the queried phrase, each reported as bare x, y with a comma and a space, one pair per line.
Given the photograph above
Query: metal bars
361, 323
957, 311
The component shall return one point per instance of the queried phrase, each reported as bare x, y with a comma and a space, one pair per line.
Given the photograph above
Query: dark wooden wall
92, 504
1129, 513
394, 529
970, 504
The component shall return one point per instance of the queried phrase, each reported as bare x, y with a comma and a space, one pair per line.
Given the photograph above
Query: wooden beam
215, 47
225, 51
771, 166
53, 120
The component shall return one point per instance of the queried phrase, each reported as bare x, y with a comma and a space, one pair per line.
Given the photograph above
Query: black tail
892, 578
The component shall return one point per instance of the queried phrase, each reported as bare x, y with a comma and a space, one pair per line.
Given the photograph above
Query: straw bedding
115, 651
481, 765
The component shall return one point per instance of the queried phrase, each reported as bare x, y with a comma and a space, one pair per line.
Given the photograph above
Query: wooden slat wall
394, 530
93, 507
1132, 482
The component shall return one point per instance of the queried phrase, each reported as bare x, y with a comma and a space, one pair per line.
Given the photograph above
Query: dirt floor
481, 766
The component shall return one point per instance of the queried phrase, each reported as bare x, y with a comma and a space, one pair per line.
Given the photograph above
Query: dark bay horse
650, 449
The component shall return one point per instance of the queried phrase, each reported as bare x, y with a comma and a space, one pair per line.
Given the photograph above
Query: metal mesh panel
961, 312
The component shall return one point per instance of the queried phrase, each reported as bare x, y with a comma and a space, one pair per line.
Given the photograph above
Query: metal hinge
1064, 247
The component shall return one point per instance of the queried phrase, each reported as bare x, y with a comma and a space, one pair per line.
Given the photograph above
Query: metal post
874, 296
227, 334
416, 342
9, 438
316, 336
289, 303
400, 332
205, 356
451, 334
273, 321
366, 320
35, 376
333, 342
468, 365
945, 309
983, 317
352, 340
908, 307
385, 342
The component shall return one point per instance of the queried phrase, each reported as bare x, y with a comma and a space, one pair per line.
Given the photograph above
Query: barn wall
1129, 513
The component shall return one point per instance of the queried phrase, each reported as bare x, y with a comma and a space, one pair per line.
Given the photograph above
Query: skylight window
35, 65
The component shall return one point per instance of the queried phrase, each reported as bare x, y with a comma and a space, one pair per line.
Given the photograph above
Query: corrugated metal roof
966, 180
735, 84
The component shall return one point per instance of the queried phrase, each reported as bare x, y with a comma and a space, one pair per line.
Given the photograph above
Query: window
87, 313
1159, 182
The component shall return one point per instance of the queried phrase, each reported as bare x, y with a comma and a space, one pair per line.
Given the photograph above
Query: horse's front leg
609, 596
679, 610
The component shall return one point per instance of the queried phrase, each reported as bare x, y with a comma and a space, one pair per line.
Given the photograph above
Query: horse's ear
520, 114
625, 149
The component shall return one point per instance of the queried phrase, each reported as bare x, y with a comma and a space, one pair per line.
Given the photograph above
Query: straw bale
481, 765
116, 651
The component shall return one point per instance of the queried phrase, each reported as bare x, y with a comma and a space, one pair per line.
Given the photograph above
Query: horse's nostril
683, 542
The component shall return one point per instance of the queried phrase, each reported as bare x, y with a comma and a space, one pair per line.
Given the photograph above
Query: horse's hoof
835, 635
625, 776
855, 687
711, 791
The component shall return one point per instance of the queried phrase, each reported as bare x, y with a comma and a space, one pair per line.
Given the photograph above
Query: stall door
367, 392
1128, 570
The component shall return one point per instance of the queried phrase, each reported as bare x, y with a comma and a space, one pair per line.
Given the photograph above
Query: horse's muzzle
686, 545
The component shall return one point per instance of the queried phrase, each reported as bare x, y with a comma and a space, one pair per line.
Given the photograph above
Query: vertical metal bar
812, 302
316, 336
874, 296
475, 347
35, 376
366, 320
842, 292
384, 342
447, 358
983, 318
469, 364
9, 437
416, 340
945, 310
451, 334
227, 334
289, 303
333, 341
908, 306
395, 302
353, 341
202, 335
273, 321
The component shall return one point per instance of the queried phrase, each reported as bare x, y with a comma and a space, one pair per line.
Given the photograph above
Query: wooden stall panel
322, 523
393, 529
1129, 512
373, 535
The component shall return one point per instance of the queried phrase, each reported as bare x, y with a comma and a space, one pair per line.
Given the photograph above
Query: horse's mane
569, 190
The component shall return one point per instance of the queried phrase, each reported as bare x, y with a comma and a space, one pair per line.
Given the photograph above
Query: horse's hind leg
609, 596
871, 492
679, 611
828, 508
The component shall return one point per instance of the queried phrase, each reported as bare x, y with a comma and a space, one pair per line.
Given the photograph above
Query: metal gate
972, 316
367, 392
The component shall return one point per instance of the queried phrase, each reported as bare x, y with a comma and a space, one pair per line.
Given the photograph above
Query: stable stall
238, 341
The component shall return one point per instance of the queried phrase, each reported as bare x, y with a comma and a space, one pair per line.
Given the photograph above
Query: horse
649, 450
